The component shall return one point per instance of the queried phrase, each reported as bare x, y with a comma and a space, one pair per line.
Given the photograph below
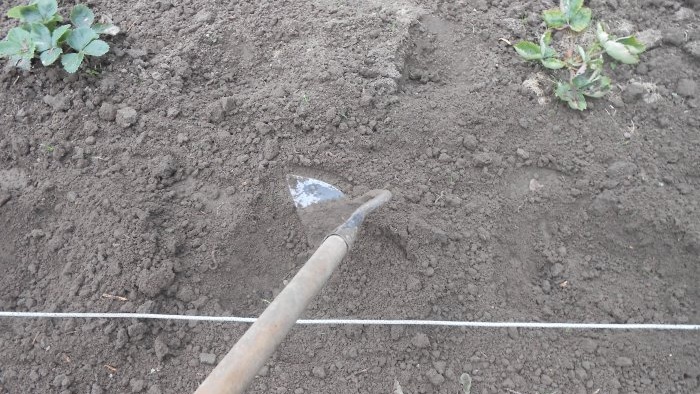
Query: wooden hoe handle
236, 370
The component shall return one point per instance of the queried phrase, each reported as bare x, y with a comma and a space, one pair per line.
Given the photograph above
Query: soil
159, 178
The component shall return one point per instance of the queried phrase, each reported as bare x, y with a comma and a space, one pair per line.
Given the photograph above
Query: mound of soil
156, 183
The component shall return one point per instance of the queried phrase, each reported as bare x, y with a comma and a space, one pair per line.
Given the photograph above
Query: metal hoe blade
324, 210
309, 191
321, 207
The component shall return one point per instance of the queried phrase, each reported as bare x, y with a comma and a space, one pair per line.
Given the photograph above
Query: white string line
474, 324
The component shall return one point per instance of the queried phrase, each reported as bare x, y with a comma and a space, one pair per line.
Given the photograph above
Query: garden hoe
318, 204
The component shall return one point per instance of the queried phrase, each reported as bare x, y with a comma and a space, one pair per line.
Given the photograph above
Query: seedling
542, 52
585, 67
571, 14
49, 148
39, 35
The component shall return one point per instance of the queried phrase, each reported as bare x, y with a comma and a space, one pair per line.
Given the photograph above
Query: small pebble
624, 362
420, 341
207, 358
319, 372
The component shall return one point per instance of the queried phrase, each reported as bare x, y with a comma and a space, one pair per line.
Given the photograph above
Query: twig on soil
442, 194
360, 372
513, 391
110, 368
114, 297
614, 111
505, 40
215, 262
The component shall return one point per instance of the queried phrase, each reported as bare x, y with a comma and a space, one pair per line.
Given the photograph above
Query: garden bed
155, 183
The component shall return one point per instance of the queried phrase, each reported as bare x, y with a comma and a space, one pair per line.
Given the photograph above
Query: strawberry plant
41, 34
583, 67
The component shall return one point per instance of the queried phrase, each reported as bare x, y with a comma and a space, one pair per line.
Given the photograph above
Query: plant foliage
571, 14
41, 34
585, 67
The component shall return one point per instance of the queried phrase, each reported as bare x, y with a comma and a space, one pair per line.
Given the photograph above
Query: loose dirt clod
623, 362
420, 341
319, 372
126, 117
207, 358
152, 281
107, 111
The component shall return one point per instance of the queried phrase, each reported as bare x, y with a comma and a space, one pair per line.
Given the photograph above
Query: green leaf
528, 50
580, 21
82, 16
106, 28
595, 94
21, 62
7, 49
79, 38
59, 35
570, 7
53, 20
554, 18
571, 13
601, 34
582, 52
549, 52
96, 48
25, 13
546, 37
41, 36
49, 57
600, 90
12, 44
625, 49
635, 47
18, 43
580, 81
47, 8
620, 52
545, 50
18, 35
15, 12
71, 61
565, 92
553, 63
597, 63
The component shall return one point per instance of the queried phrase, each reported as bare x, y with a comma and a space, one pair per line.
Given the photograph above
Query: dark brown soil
508, 206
